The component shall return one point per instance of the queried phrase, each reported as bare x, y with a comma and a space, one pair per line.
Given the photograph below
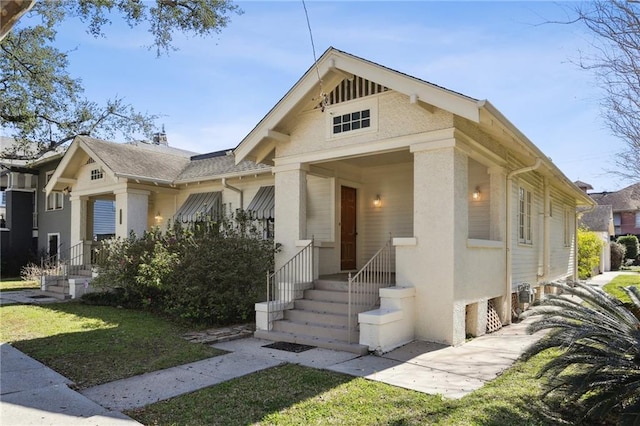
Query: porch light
476, 193
158, 217
377, 202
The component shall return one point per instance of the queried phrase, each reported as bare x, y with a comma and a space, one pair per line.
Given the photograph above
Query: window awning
199, 207
262, 205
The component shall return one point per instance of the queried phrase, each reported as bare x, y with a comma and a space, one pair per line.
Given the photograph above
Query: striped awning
262, 205
200, 207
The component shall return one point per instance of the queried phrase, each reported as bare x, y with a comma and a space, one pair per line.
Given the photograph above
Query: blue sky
213, 91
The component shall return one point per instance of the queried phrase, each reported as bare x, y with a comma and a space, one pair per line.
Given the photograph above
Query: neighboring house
599, 219
34, 224
146, 185
626, 208
475, 209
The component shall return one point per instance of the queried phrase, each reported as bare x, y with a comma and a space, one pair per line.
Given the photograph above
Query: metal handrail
287, 283
364, 286
70, 264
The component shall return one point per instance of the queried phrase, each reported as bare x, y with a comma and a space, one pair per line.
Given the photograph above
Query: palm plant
596, 377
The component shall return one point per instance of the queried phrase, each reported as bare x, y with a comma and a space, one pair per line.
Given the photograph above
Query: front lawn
18, 284
97, 344
614, 287
296, 395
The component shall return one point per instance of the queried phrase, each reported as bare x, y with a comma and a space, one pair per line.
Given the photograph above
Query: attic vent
90, 160
355, 88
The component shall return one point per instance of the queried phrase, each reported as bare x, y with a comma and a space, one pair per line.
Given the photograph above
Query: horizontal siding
524, 257
320, 207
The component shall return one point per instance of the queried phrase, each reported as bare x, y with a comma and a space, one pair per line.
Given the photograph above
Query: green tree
631, 244
589, 249
42, 106
596, 377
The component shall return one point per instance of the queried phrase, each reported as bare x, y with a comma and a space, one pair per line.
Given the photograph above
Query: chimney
160, 138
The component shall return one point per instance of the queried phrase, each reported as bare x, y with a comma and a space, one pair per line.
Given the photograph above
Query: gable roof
151, 163
335, 65
623, 200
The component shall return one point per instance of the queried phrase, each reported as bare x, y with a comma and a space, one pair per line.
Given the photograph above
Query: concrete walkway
31, 393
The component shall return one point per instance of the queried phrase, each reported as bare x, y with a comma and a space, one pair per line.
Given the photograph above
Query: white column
440, 227
290, 209
78, 219
132, 210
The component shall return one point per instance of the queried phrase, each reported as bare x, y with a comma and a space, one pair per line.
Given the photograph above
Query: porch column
440, 227
132, 210
79, 211
290, 209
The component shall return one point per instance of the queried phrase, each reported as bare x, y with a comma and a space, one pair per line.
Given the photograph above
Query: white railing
289, 282
365, 285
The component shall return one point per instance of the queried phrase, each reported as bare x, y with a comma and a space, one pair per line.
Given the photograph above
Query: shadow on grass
97, 344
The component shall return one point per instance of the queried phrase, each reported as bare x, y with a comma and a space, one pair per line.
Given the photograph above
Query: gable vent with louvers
355, 88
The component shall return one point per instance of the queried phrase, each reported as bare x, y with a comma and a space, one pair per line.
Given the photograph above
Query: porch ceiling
376, 160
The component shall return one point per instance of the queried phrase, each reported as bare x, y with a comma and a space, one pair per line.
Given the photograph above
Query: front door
53, 246
348, 229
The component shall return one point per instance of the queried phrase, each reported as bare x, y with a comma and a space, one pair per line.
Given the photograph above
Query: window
55, 199
567, 228
638, 219
96, 174
525, 201
351, 121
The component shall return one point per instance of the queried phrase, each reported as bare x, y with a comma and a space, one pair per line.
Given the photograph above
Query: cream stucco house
444, 206
474, 208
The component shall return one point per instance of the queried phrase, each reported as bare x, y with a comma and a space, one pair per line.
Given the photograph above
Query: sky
211, 92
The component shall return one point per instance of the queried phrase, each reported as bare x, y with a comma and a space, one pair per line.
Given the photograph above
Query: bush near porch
589, 248
204, 272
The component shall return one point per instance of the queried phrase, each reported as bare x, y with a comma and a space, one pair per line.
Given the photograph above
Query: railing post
349, 309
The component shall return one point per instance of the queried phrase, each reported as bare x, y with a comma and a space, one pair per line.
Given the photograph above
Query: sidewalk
31, 393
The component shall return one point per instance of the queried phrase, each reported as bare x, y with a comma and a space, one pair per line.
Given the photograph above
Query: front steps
62, 288
319, 319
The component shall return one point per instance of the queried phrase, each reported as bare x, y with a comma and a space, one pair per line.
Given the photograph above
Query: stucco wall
395, 117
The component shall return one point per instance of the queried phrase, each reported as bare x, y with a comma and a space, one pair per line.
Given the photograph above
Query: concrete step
321, 306
58, 289
330, 285
327, 295
302, 339
60, 296
317, 318
320, 331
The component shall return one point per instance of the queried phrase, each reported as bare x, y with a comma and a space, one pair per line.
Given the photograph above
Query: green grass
614, 287
17, 284
97, 344
295, 395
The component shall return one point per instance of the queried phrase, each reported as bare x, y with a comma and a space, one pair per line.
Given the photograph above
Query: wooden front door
348, 231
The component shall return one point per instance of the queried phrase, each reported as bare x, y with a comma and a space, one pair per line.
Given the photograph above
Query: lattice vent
493, 319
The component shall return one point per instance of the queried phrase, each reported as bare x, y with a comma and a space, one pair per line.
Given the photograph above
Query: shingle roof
139, 161
162, 163
624, 200
217, 164
598, 219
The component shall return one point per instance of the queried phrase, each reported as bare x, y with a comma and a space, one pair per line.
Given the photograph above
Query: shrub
617, 255
589, 249
632, 245
207, 272
596, 378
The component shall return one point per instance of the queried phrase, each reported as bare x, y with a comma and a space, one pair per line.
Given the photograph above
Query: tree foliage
632, 246
616, 64
596, 378
589, 250
208, 272
43, 107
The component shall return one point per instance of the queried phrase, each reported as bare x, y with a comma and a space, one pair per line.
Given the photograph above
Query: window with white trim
55, 199
351, 121
525, 205
97, 174
567, 228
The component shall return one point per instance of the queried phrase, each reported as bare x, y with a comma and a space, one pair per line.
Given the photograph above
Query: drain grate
289, 347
